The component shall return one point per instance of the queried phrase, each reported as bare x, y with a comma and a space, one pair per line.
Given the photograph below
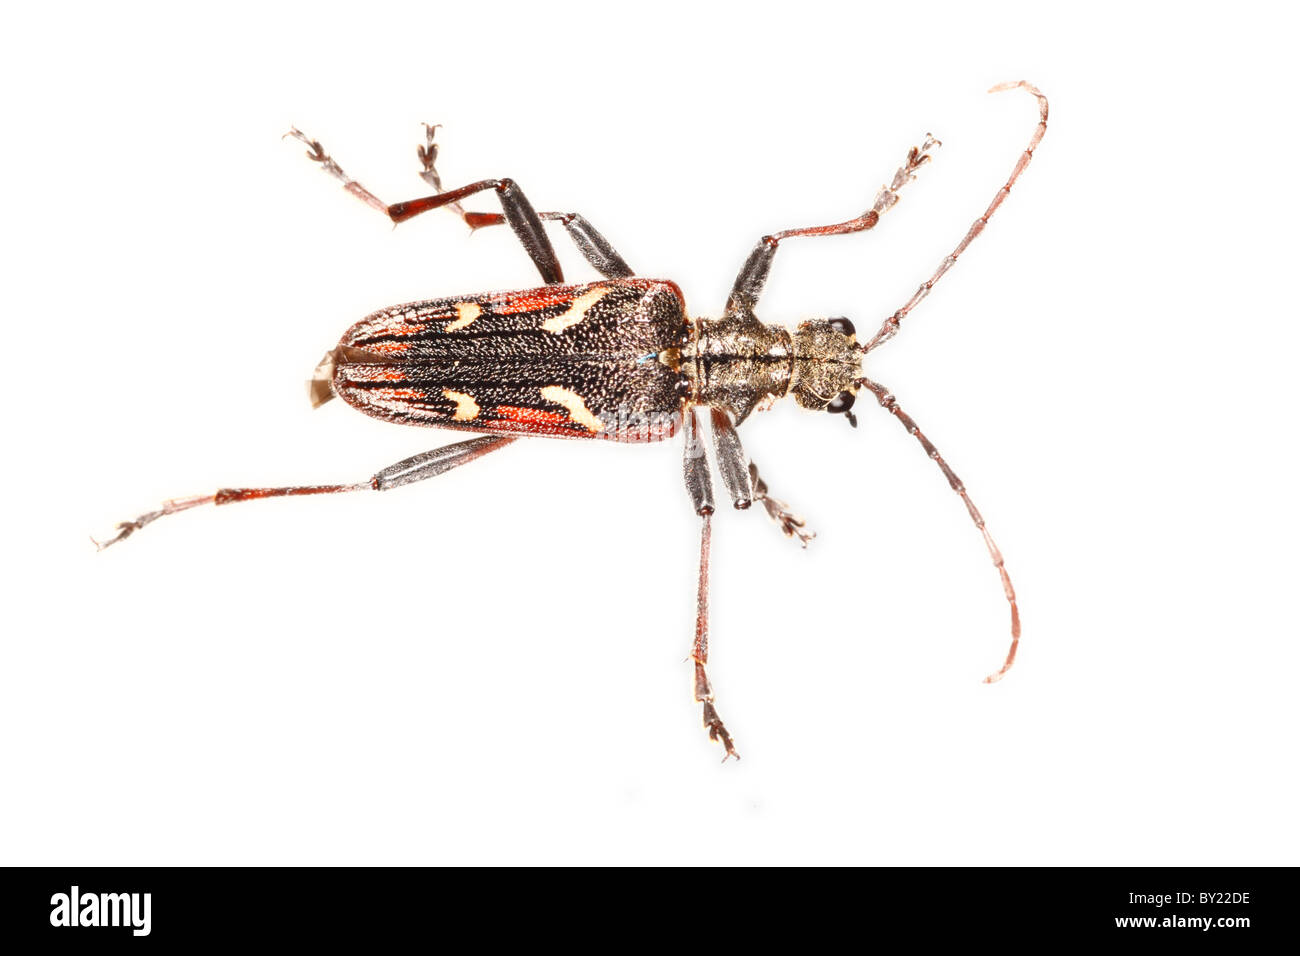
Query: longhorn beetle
618, 359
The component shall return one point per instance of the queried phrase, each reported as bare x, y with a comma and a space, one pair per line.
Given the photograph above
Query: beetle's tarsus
428, 153
316, 152
717, 732
792, 526
127, 528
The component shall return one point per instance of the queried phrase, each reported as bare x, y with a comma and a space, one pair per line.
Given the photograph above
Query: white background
490, 668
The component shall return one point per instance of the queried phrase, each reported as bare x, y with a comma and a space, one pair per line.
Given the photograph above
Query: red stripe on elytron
533, 301
529, 416
400, 325
382, 348
394, 394
567, 430
382, 373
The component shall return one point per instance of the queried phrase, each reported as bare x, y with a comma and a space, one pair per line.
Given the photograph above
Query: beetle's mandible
618, 359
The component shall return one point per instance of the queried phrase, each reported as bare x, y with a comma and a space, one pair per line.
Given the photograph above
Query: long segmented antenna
890, 404
890, 326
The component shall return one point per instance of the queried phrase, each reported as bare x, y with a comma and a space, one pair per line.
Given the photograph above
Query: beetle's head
827, 364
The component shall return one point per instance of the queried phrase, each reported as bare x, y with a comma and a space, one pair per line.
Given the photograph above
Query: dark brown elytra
619, 359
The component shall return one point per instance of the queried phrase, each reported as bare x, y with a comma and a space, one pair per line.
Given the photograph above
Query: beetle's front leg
742, 481
695, 468
753, 274
889, 327
791, 524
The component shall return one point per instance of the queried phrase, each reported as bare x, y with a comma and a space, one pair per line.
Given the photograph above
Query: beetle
619, 359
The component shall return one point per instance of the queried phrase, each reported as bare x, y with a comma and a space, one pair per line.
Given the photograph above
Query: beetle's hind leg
518, 211
316, 153
695, 469
429, 464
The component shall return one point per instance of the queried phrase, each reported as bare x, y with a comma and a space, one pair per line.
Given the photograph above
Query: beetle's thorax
739, 363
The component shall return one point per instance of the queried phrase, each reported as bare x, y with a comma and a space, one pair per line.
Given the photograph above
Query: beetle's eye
841, 403
843, 326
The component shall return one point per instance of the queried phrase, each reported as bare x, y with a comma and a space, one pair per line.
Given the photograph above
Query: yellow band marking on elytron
576, 312
466, 408
572, 403
466, 312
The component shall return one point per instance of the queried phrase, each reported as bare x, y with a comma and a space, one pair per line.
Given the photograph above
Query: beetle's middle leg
594, 247
407, 471
695, 469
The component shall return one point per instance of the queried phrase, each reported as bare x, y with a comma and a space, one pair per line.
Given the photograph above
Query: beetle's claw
316, 152
127, 528
717, 732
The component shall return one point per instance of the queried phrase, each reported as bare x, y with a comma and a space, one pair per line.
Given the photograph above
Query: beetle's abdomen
569, 361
